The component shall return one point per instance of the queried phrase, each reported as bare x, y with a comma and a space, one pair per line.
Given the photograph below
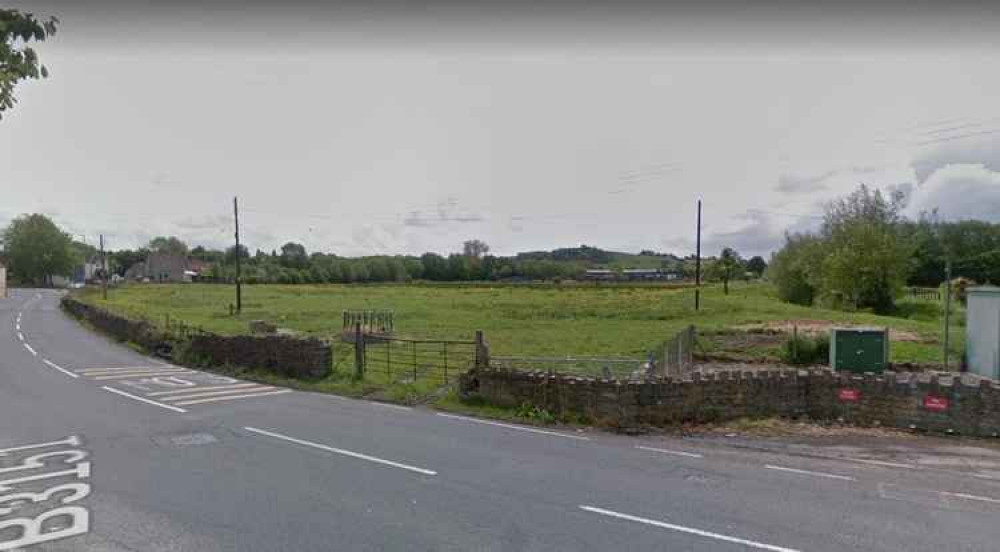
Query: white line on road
390, 405
133, 375
342, 451
192, 394
30, 350
688, 530
674, 452
60, 368
878, 463
971, 497
121, 369
193, 389
519, 428
140, 399
20, 336
232, 397
813, 473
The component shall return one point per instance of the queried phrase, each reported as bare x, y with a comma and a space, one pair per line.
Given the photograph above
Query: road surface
102, 448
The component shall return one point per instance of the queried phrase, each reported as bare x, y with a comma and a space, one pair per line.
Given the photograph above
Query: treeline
866, 252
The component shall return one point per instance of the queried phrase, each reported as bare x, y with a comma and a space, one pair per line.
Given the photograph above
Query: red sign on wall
849, 395
937, 404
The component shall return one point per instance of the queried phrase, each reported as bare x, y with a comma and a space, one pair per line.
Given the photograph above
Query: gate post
359, 352
482, 351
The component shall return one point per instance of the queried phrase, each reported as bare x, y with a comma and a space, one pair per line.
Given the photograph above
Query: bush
804, 350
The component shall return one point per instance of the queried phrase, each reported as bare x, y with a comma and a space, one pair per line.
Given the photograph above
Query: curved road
102, 448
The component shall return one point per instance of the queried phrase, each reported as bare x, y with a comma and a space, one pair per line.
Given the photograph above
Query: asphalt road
102, 448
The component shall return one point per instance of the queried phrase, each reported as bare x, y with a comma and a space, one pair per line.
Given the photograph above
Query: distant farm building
631, 274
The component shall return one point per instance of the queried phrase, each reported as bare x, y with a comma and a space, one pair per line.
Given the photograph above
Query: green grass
532, 321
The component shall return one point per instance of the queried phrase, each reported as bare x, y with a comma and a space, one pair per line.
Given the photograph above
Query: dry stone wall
902, 400
288, 356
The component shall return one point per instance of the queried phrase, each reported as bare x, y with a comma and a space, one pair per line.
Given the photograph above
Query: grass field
604, 321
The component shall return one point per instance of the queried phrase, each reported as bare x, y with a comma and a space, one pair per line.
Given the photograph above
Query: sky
377, 128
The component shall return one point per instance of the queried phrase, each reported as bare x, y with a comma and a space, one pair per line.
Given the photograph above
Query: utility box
982, 331
859, 350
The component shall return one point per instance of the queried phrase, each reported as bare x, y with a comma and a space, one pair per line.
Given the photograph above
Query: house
166, 267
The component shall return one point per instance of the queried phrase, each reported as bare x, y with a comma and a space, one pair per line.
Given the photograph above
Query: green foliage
795, 269
170, 245
757, 265
866, 263
18, 61
806, 350
37, 249
860, 258
535, 414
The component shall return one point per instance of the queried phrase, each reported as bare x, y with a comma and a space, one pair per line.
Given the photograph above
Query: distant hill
594, 257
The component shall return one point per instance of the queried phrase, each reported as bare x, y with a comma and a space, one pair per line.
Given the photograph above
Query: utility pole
239, 294
697, 265
947, 307
104, 271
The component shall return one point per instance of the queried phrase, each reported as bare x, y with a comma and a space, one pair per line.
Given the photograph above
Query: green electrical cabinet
859, 350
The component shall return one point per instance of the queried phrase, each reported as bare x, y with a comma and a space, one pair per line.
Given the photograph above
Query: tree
795, 269
169, 245
475, 249
867, 262
37, 249
18, 61
231, 253
757, 265
293, 255
122, 260
728, 266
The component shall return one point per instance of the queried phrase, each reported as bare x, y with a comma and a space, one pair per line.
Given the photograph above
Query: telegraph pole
947, 307
697, 265
104, 271
239, 295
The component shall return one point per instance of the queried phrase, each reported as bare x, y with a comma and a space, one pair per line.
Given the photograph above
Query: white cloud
960, 192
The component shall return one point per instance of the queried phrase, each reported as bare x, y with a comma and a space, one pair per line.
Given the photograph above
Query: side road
179, 459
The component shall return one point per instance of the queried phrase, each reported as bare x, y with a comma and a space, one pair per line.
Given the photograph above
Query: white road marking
30, 350
232, 397
812, 473
674, 452
122, 369
390, 405
131, 375
190, 389
510, 426
140, 399
971, 497
60, 368
72, 441
193, 394
20, 336
878, 463
342, 451
688, 530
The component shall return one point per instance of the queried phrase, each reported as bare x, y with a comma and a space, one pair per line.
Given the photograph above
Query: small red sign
849, 395
937, 404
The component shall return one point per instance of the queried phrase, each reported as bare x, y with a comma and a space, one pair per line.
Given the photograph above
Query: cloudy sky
376, 128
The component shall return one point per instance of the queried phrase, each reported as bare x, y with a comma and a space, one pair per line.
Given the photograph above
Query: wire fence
607, 368
675, 356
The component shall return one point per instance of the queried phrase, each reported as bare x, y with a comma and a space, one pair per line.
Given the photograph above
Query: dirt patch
814, 327
775, 427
